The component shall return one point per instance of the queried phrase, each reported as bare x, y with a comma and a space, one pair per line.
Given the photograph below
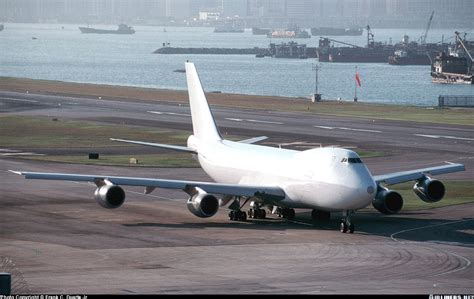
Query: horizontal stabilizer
167, 146
253, 140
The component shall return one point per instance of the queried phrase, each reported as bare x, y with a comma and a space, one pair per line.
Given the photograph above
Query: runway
64, 242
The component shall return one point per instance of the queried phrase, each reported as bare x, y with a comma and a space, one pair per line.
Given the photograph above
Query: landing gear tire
343, 227
351, 228
257, 213
237, 215
286, 213
346, 224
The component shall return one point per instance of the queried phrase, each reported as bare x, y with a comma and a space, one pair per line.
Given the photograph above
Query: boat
455, 66
289, 33
410, 57
452, 70
331, 31
373, 52
122, 29
288, 50
260, 31
229, 28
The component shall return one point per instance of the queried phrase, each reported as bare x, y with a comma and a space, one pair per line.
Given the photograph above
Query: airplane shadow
403, 227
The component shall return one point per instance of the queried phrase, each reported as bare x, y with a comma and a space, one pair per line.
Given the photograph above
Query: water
61, 52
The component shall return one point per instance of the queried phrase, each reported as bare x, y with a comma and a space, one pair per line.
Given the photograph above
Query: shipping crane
425, 34
460, 40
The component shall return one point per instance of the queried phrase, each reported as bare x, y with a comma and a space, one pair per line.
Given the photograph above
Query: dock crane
425, 34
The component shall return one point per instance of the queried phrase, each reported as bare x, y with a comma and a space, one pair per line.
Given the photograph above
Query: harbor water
61, 52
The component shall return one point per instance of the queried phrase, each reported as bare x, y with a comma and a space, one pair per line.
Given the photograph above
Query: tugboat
454, 67
122, 29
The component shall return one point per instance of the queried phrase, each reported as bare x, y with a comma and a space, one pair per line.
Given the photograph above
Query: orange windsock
358, 79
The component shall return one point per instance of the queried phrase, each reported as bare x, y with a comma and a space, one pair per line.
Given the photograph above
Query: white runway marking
255, 121
264, 121
169, 113
348, 129
446, 137
19, 100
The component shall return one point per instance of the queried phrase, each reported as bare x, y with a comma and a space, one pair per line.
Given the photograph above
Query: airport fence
455, 101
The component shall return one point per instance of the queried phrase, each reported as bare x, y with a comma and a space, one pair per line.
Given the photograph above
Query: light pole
316, 96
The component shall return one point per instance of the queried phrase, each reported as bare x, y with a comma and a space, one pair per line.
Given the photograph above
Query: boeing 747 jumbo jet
278, 180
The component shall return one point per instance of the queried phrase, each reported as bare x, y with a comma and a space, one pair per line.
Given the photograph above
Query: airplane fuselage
330, 179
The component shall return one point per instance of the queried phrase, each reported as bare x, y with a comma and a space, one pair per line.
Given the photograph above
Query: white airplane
322, 179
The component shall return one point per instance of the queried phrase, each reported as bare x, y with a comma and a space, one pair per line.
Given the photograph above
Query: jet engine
388, 201
203, 205
109, 196
429, 190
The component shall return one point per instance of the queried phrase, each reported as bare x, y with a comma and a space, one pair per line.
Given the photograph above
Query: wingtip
15, 172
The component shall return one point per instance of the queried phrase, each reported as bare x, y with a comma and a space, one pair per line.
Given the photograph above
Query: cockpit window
351, 160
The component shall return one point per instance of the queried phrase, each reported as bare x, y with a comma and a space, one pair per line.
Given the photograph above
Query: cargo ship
122, 29
330, 31
373, 52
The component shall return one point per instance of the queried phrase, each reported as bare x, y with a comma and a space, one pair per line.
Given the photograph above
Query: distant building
301, 9
234, 8
378, 13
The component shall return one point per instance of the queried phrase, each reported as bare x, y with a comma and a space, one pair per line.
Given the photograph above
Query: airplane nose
370, 190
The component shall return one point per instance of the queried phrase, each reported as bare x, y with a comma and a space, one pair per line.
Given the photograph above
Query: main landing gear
346, 224
286, 213
257, 213
237, 215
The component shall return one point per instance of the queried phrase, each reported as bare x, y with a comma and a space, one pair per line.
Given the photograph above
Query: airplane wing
183, 148
270, 193
411, 175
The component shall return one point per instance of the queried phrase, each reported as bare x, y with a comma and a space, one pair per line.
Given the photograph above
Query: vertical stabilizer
204, 126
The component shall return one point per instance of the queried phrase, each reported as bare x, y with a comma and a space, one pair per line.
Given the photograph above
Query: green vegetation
43, 132
393, 112
20, 132
157, 160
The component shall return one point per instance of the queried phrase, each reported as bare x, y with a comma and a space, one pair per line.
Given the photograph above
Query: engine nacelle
388, 201
429, 190
109, 196
203, 205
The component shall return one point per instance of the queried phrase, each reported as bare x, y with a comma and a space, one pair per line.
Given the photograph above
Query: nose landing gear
346, 224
